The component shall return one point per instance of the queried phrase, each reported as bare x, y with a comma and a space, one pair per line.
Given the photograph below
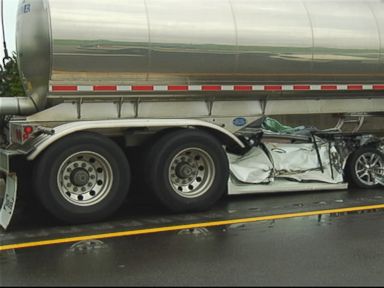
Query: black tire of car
351, 167
103, 151
208, 169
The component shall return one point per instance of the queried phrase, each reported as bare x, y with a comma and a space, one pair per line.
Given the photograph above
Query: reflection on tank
196, 42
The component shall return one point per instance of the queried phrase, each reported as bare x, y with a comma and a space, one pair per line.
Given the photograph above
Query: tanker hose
6, 55
6, 59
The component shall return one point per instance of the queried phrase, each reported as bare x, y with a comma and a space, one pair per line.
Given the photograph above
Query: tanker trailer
184, 80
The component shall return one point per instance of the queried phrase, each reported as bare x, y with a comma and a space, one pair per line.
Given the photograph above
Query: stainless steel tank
193, 42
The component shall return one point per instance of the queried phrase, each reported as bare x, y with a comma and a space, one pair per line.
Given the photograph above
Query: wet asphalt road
341, 249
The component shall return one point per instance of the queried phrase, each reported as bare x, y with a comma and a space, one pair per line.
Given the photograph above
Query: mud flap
8, 192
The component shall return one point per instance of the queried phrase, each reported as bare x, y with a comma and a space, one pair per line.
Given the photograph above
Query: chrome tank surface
34, 51
134, 42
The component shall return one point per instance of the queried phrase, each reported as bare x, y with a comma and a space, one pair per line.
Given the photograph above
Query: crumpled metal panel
298, 162
253, 167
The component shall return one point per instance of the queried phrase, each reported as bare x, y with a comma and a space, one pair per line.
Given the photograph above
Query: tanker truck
193, 85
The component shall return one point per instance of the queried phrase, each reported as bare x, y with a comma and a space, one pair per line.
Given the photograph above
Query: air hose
6, 55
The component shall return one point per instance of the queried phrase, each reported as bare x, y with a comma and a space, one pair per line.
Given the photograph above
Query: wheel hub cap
185, 171
80, 177
191, 173
368, 167
85, 178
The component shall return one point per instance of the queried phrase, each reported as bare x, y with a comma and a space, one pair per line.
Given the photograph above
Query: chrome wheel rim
85, 178
191, 173
368, 166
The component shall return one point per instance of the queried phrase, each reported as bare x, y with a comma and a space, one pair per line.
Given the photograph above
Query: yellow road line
189, 226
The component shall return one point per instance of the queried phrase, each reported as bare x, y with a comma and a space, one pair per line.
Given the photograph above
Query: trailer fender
43, 142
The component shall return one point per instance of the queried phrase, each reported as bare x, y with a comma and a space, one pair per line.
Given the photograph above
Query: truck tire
83, 178
362, 165
188, 170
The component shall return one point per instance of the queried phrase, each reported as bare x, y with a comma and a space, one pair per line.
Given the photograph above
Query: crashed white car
309, 160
